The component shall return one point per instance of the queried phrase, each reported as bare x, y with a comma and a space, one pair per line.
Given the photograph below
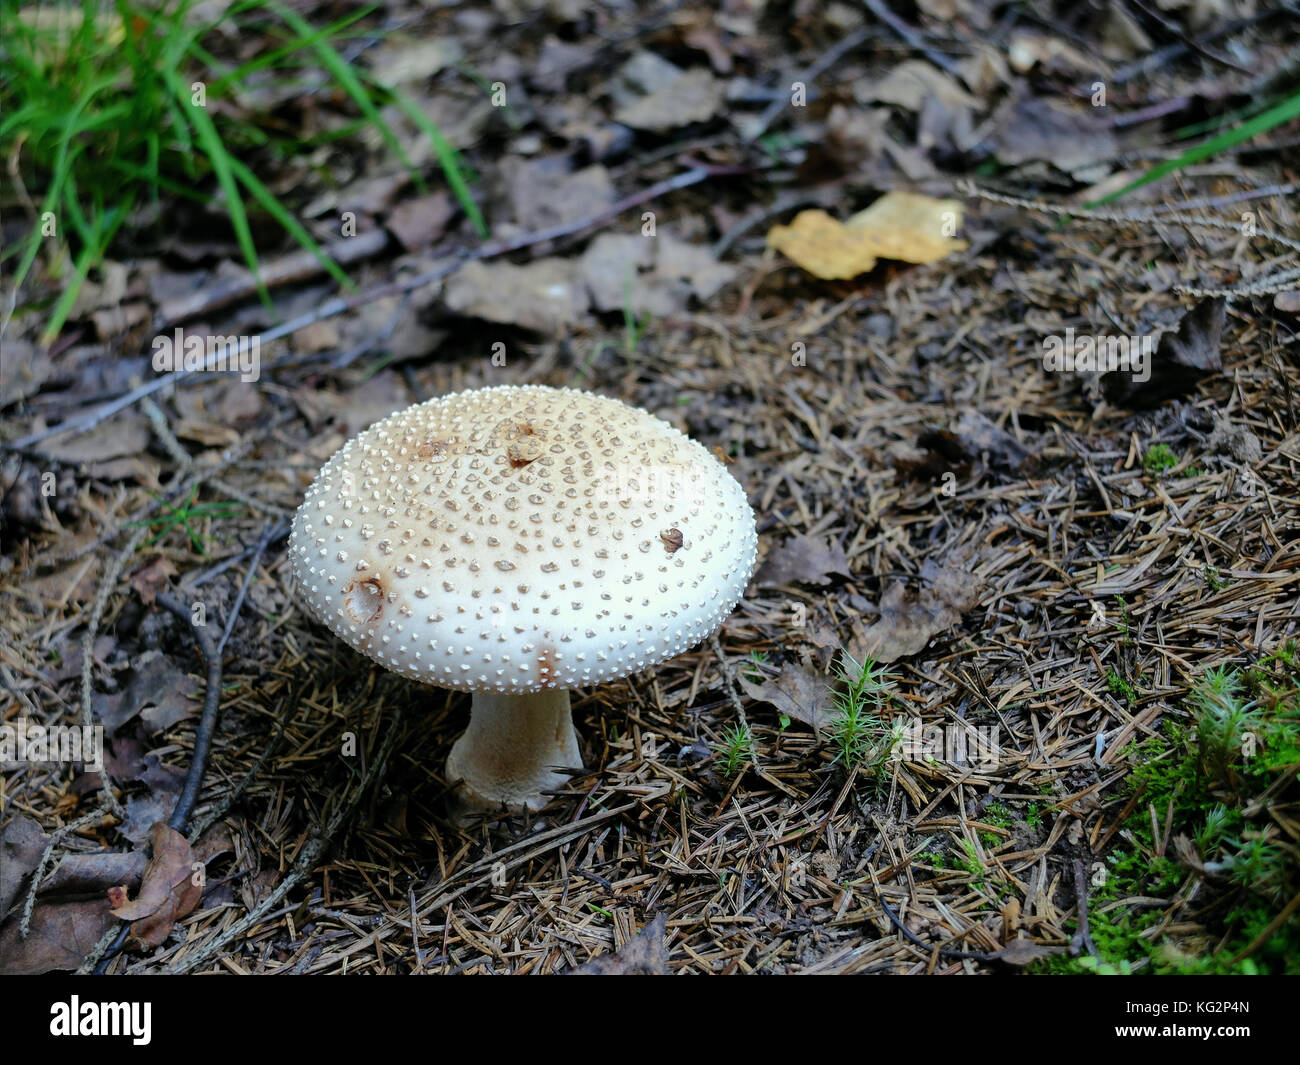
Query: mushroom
516, 542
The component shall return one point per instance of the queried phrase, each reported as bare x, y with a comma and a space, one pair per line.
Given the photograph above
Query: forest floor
1079, 592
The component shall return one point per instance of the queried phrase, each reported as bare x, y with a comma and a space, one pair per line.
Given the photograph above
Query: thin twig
89, 419
307, 856
269, 533
829, 58
1082, 938
911, 36
207, 721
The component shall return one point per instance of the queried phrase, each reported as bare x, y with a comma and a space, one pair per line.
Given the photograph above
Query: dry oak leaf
899, 225
803, 560
908, 621
645, 954
795, 692
150, 579
61, 934
910, 227
169, 889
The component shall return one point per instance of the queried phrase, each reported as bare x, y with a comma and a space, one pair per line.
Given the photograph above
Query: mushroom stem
512, 747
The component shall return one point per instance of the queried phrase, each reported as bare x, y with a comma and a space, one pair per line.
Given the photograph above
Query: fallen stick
297, 266
88, 420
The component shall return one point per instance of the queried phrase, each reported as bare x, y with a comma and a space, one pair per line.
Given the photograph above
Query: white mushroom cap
519, 538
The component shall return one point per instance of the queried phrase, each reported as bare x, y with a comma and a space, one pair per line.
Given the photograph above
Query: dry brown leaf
546, 296
1180, 360
645, 954
21, 843
545, 192
169, 889
908, 620
1022, 951
150, 579
120, 435
649, 276
910, 227
912, 83
823, 246
157, 688
419, 222
695, 96
60, 937
1034, 130
796, 692
803, 559
899, 225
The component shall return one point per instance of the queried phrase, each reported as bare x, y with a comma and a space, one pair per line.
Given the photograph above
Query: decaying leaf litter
926, 493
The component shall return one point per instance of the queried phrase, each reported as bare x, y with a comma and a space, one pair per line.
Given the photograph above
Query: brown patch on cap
526, 446
546, 665
432, 449
672, 539
363, 601
522, 452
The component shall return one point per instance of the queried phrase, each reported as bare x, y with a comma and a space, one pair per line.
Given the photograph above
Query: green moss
1158, 459
1206, 781
1119, 686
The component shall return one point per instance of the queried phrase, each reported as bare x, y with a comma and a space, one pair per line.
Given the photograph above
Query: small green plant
736, 749
1227, 726
1119, 686
108, 108
857, 729
633, 327
1125, 623
758, 662
183, 514
1158, 459
1201, 831
775, 144
1212, 577
970, 860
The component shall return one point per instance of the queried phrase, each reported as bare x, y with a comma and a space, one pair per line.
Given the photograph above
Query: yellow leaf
910, 227
899, 225
822, 246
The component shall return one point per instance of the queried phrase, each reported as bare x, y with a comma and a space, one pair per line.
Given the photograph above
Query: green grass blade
211, 143
1274, 116
448, 159
273, 57
91, 253
337, 66
276, 209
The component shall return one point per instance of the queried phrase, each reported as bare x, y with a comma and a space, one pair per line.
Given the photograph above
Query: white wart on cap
522, 539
